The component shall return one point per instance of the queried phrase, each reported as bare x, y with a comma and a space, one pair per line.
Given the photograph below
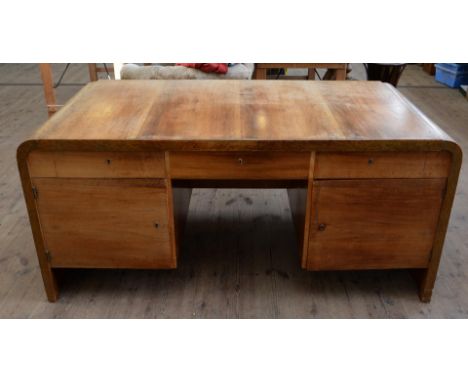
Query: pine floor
239, 258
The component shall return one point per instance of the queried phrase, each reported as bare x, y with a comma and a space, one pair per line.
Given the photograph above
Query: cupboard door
374, 223
105, 223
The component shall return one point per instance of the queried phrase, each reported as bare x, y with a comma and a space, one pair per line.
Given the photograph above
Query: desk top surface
225, 114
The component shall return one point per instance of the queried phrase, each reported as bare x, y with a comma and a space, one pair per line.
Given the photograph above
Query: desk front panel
352, 210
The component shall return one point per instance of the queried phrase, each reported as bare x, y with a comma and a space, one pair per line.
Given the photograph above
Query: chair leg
93, 76
311, 74
260, 74
341, 74
49, 92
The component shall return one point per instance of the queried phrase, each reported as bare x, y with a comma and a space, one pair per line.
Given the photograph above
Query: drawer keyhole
108, 161
241, 161
370, 161
322, 226
156, 225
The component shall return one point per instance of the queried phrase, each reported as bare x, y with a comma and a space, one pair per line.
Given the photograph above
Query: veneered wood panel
300, 199
382, 165
216, 165
298, 205
181, 202
256, 116
103, 223
370, 295
377, 223
96, 164
233, 115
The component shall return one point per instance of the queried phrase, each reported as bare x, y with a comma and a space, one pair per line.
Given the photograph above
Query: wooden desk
108, 179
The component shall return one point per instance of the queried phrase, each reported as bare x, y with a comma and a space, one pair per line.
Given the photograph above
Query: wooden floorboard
239, 257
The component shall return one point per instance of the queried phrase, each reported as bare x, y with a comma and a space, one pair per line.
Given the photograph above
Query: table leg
341, 74
260, 74
49, 92
311, 74
92, 72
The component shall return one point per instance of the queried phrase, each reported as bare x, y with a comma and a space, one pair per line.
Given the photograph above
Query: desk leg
425, 283
48, 274
50, 283
426, 277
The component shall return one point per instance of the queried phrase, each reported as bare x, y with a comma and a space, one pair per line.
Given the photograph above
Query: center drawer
239, 165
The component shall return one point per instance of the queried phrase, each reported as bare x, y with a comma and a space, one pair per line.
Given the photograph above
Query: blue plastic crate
452, 75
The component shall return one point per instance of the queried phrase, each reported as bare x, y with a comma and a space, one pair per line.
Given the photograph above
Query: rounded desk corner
24, 149
455, 149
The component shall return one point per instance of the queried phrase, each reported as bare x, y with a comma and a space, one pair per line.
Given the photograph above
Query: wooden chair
50, 86
390, 73
94, 71
334, 71
241, 71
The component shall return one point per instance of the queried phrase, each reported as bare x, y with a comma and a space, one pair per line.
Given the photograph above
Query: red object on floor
208, 68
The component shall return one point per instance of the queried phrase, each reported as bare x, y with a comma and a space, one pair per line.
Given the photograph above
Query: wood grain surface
267, 117
238, 258
239, 165
382, 165
373, 223
96, 164
104, 223
236, 115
